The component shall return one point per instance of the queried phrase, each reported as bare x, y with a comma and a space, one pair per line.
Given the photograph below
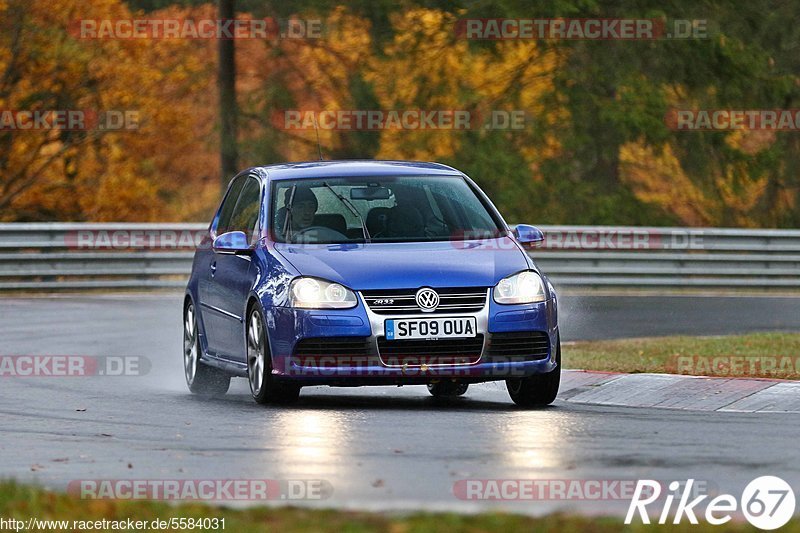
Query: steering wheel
318, 233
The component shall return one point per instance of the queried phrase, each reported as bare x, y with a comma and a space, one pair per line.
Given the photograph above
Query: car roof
322, 169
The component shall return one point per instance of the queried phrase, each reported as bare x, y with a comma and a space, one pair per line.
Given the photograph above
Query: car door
231, 276
206, 264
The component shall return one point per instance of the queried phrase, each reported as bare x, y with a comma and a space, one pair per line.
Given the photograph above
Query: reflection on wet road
379, 448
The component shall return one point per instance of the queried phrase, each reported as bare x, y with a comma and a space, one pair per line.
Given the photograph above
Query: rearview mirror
232, 242
528, 234
370, 193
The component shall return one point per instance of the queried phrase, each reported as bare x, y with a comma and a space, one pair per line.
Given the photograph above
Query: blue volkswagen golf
350, 273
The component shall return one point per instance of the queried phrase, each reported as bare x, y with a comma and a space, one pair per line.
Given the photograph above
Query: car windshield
381, 209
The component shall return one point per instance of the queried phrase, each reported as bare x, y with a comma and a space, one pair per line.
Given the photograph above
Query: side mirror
528, 234
232, 242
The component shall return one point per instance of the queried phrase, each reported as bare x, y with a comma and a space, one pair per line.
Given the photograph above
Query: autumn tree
148, 173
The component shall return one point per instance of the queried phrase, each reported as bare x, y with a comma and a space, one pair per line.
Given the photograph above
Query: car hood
409, 265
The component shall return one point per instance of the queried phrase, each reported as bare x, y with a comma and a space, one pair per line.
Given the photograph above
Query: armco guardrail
44, 256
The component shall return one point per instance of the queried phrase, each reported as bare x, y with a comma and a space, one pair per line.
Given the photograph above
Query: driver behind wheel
304, 207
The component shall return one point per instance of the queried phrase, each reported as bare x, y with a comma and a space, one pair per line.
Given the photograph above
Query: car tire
201, 379
537, 390
447, 389
263, 386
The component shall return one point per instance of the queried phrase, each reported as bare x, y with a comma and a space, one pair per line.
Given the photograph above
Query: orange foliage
658, 178
159, 171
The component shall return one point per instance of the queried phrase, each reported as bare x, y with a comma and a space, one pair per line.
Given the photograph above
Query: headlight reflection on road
310, 443
532, 441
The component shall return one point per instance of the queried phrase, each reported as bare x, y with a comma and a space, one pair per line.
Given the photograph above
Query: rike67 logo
767, 502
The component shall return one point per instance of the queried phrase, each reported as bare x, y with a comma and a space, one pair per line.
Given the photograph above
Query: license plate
431, 328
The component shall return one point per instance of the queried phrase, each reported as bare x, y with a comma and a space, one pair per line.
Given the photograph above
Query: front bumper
368, 366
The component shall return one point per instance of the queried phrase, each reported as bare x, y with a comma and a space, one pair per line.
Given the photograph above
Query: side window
245, 214
225, 212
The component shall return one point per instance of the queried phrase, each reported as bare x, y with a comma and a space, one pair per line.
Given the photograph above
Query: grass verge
767, 355
22, 502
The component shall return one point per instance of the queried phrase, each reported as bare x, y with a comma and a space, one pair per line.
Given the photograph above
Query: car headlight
313, 293
521, 288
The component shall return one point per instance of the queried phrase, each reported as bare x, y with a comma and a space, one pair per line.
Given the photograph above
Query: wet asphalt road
378, 448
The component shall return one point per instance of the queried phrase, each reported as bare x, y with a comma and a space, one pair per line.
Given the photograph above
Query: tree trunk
228, 110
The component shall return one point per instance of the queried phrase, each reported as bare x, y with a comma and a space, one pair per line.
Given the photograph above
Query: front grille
518, 346
333, 351
403, 301
430, 352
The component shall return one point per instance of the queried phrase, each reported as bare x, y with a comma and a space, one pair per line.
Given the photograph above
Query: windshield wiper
352, 209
